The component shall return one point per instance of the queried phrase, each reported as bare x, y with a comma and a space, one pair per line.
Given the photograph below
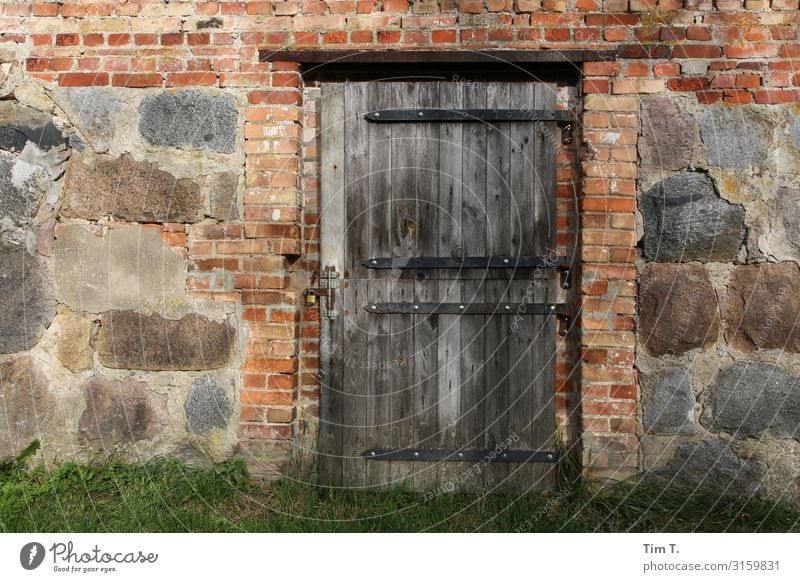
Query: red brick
698, 33
45, 9
687, 84
233, 8
306, 38
266, 397
361, 36
601, 69
723, 82
60, 64
587, 34
596, 86
748, 81
666, 69
278, 365
191, 79
636, 69
444, 36
615, 34
709, 97
749, 51
116, 39
790, 51
145, 39
769, 96
642, 51
557, 34
339, 37
395, 5
388, 36
274, 97
259, 7
592, 407
172, 39
738, 97
696, 51
68, 39
787, 33
92, 39
82, 79
136, 80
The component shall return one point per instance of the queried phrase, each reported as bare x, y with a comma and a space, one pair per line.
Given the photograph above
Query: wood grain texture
441, 381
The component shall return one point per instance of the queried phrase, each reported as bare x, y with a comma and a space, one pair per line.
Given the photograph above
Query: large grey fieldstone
74, 340
20, 124
18, 199
134, 341
120, 412
789, 202
223, 200
128, 268
24, 405
677, 310
668, 134
129, 190
735, 137
191, 118
685, 220
763, 306
713, 465
27, 306
794, 130
207, 406
749, 399
668, 401
93, 111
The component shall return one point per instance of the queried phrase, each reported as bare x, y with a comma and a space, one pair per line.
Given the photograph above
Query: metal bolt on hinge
566, 134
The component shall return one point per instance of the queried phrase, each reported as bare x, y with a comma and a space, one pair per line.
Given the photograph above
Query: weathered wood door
428, 371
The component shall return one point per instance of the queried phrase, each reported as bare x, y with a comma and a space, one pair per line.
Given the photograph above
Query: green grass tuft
168, 496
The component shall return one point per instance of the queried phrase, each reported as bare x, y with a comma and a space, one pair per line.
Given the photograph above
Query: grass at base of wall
167, 496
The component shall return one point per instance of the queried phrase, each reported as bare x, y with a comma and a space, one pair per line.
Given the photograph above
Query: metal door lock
328, 283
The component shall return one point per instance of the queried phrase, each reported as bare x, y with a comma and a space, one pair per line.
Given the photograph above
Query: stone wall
720, 293
105, 349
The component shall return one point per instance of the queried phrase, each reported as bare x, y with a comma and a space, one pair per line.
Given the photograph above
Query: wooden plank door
412, 396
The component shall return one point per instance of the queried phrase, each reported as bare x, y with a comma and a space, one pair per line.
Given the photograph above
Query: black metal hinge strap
412, 115
489, 456
510, 262
560, 309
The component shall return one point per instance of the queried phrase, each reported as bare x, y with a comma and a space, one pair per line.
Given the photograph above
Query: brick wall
723, 52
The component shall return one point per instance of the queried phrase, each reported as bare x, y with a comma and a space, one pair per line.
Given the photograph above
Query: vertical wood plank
521, 382
522, 290
450, 243
472, 236
426, 383
354, 348
543, 415
379, 289
332, 227
429, 168
498, 154
403, 237
471, 421
495, 356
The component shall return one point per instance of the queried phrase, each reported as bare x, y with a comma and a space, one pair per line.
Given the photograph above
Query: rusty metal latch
328, 283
